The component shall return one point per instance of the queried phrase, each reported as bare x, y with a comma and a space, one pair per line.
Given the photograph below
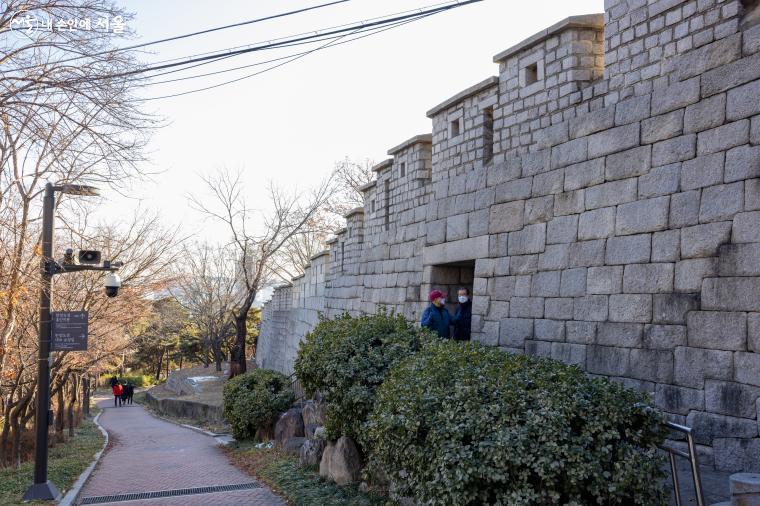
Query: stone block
501, 287
584, 174
694, 365
632, 110
703, 240
742, 101
642, 216
607, 360
548, 183
742, 162
526, 307
604, 280
690, 273
484, 267
573, 282
562, 229
707, 426
629, 249
736, 454
524, 264
555, 256
626, 335
747, 368
629, 163
552, 135
522, 285
731, 294
675, 96
596, 224
705, 114
586, 253
723, 137
651, 365
660, 181
666, 246
478, 223
719, 53
456, 227
489, 335
549, 330
569, 353
635, 308
571, 202
678, 400
684, 209
752, 195
539, 161
648, 278
519, 189
506, 217
662, 127
581, 332
613, 140
674, 150
498, 310
673, 307
545, 284
729, 398
739, 259
436, 232
753, 331
721, 202
570, 152
514, 331
702, 171
592, 122
717, 330
531, 239
560, 308
664, 337
539, 210
591, 308
538, 348
611, 194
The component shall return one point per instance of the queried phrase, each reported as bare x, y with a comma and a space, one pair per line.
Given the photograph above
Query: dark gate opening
449, 278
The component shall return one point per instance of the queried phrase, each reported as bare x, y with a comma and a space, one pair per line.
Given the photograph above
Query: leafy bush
138, 380
458, 423
254, 400
347, 358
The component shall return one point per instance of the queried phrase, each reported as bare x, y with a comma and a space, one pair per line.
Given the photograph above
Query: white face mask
462, 299
443, 301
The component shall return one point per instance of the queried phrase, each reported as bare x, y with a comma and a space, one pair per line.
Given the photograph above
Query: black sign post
69, 331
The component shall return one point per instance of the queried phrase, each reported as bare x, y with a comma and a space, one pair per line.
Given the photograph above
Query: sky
292, 124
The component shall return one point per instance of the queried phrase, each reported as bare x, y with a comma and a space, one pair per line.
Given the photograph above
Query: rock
320, 433
289, 425
293, 445
341, 462
311, 452
313, 414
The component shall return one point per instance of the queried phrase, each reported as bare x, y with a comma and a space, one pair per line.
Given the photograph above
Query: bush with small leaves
254, 400
459, 423
347, 358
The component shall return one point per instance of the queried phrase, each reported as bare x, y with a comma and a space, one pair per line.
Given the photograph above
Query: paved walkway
146, 454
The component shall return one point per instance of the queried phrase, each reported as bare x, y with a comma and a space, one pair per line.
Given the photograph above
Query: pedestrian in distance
462, 316
118, 390
124, 394
436, 317
113, 381
130, 388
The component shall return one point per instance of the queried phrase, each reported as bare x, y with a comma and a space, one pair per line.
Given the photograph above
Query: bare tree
350, 176
208, 290
258, 238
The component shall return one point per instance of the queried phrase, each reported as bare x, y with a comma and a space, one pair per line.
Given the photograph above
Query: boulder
313, 414
290, 425
293, 445
311, 452
341, 462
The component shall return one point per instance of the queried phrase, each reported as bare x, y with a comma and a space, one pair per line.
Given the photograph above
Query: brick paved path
146, 454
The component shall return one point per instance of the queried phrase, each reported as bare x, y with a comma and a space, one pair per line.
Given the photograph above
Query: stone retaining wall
605, 187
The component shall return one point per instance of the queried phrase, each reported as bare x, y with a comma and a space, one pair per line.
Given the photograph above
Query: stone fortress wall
601, 197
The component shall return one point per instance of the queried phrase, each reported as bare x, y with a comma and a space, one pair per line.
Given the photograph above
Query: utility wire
201, 32
332, 43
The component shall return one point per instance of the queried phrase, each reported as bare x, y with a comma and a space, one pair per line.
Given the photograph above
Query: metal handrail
693, 459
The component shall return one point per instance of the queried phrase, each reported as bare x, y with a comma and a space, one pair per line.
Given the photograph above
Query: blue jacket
437, 319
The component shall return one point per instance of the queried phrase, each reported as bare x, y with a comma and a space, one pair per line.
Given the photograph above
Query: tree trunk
241, 330
218, 355
158, 368
59, 414
86, 396
72, 401
168, 359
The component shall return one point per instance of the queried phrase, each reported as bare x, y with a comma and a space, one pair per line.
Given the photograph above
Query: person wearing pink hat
436, 317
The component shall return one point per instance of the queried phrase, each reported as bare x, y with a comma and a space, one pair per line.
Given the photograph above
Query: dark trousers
116, 400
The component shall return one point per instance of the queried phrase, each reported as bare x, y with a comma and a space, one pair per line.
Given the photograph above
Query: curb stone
73, 493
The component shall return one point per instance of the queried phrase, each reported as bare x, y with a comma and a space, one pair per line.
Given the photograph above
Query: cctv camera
112, 283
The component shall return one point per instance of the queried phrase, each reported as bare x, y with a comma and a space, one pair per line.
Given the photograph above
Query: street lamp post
43, 489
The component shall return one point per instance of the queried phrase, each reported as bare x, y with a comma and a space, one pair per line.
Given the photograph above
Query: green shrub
254, 400
458, 423
347, 358
138, 380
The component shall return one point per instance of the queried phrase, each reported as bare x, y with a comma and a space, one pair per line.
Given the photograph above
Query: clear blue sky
292, 124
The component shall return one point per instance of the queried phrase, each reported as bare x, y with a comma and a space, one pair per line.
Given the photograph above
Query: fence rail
691, 456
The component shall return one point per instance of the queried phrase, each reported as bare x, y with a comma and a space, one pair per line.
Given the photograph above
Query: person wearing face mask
463, 316
436, 317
